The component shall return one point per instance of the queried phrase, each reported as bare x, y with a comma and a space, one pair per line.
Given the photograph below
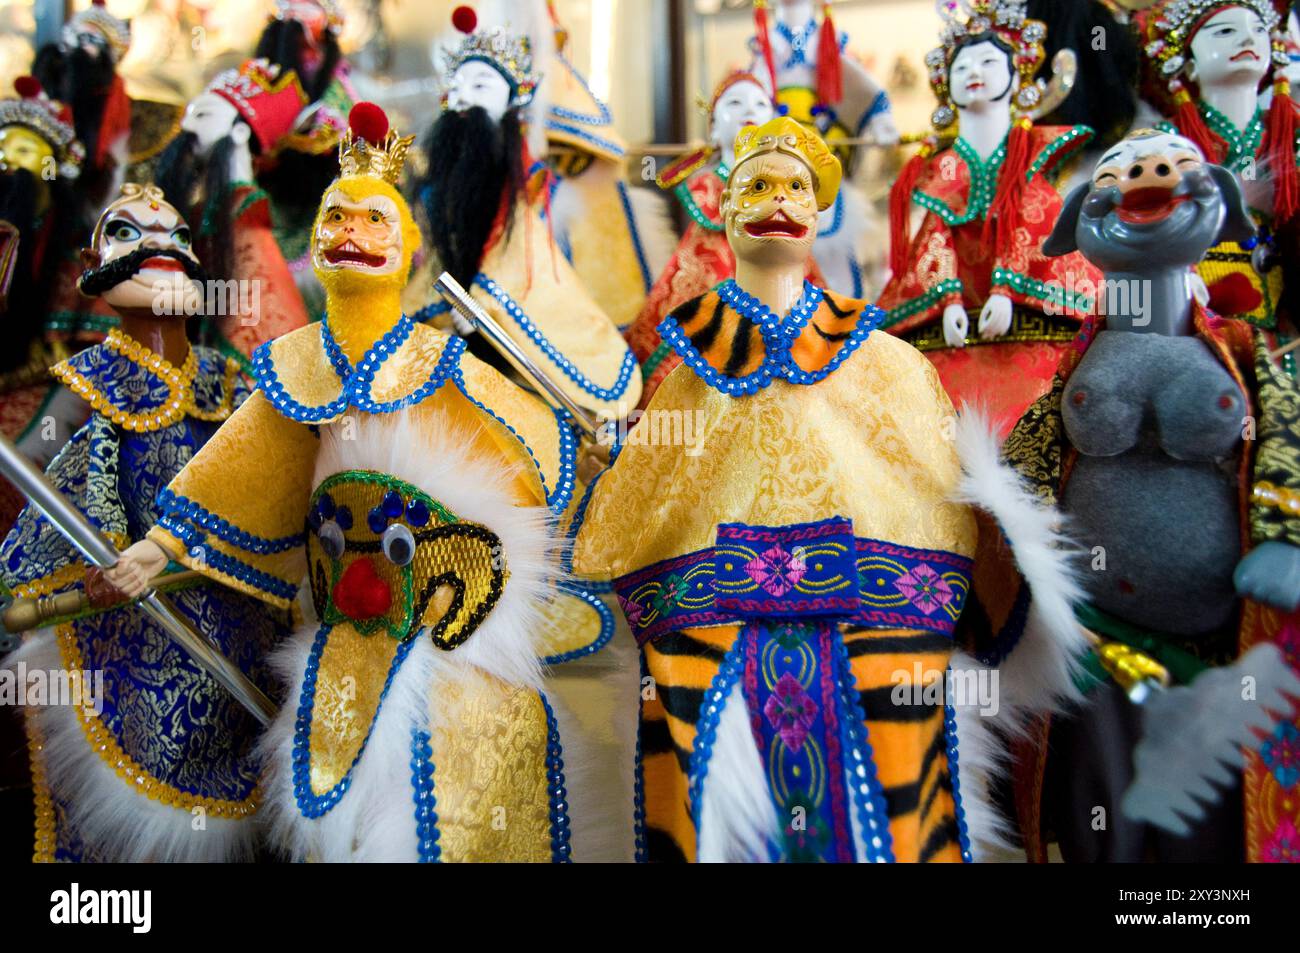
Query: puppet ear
1238, 226
1062, 241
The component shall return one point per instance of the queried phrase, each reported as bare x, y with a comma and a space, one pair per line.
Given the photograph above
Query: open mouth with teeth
1146, 206
779, 224
350, 253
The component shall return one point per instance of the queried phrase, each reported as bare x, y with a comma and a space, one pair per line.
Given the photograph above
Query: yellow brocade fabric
490, 783
533, 273
862, 444
256, 472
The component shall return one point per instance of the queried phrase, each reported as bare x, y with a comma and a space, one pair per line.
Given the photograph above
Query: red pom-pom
1233, 295
464, 19
96, 3
28, 87
367, 121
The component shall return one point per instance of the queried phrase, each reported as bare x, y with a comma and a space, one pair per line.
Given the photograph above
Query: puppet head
740, 100
303, 36
784, 176
490, 69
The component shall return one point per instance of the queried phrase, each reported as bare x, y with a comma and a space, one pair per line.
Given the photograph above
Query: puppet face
770, 209
363, 235
211, 118
476, 83
1232, 46
744, 104
980, 75
20, 148
312, 16
153, 236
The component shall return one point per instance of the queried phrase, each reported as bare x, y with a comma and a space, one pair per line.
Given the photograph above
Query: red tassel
1000, 223
830, 71
764, 37
1188, 119
900, 211
1280, 135
115, 123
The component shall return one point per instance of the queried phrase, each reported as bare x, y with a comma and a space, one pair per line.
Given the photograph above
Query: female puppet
986, 204
799, 572
426, 484
154, 763
1208, 62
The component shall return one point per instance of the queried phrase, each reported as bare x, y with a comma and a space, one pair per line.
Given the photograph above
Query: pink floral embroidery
790, 711
777, 571
924, 588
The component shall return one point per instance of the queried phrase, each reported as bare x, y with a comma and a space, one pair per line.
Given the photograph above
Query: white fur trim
737, 815
119, 824
1037, 678
375, 819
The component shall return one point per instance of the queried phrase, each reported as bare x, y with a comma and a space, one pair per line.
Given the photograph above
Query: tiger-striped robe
781, 525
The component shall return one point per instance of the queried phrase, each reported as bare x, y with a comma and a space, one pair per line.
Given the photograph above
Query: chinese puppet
483, 208
80, 68
703, 257
426, 484
1210, 64
208, 169
1169, 440
40, 161
985, 203
158, 765
816, 82
794, 572
303, 36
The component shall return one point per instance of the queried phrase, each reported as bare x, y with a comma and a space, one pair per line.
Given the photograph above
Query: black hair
282, 42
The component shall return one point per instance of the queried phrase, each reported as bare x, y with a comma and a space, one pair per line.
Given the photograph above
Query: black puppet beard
191, 183
95, 281
283, 41
473, 164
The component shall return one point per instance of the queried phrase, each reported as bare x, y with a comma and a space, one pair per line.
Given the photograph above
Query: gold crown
384, 161
783, 134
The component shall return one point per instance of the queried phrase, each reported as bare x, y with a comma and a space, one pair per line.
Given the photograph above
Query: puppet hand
135, 568
956, 325
995, 319
1270, 574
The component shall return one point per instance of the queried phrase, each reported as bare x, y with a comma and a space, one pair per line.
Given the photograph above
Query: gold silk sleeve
236, 511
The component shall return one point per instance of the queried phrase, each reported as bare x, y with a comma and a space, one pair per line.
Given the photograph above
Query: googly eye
398, 545
331, 539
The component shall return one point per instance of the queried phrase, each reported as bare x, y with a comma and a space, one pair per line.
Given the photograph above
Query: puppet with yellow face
810, 543
414, 488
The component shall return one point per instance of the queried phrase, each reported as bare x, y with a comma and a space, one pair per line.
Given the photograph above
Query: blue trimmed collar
779, 335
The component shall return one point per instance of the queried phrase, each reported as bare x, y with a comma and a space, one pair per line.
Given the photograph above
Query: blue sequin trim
950, 740
195, 543
426, 803
313, 805
603, 118
179, 507
561, 849
570, 371
864, 785
607, 625
430, 311
640, 844
647, 279
604, 144
879, 105
837, 221
706, 728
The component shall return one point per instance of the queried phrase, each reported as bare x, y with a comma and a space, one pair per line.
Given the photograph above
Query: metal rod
469, 309
72, 524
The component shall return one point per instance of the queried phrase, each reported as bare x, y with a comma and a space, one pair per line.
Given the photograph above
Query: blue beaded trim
313, 805
575, 527
561, 849
606, 145
858, 284
950, 740
706, 728
647, 279
430, 311
837, 222
558, 499
640, 846
778, 336
356, 381
879, 105
606, 625
426, 803
603, 118
196, 542
179, 507
535, 335
868, 794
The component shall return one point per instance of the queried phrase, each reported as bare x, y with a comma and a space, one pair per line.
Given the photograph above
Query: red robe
950, 262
